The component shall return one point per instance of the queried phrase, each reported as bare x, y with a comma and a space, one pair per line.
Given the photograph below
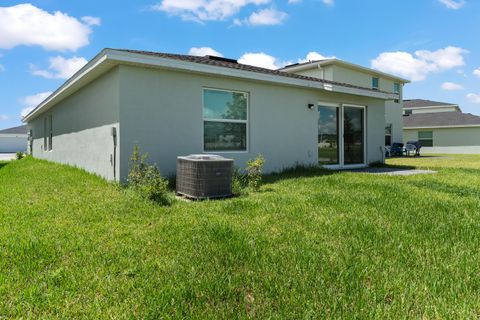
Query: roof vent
215, 58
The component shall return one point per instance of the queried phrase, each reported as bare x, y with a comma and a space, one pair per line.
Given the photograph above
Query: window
225, 119
50, 133
407, 112
396, 89
425, 138
375, 83
388, 134
45, 133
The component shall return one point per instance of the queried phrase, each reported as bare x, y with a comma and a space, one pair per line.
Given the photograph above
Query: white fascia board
443, 127
136, 58
432, 107
90, 66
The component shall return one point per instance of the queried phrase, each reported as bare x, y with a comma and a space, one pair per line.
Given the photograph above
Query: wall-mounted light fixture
310, 106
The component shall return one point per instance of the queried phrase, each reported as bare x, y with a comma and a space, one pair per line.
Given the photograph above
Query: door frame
341, 143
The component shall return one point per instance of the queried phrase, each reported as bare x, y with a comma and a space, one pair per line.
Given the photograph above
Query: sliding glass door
353, 135
341, 135
328, 134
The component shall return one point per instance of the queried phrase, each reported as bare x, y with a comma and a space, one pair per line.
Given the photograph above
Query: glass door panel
328, 135
353, 135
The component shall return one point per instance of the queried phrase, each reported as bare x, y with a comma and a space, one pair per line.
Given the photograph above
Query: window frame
45, 132
50, 135
378, 83
246, 121
423, 139
388, 134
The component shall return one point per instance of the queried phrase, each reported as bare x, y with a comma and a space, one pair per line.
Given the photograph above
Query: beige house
172, 105
441, 127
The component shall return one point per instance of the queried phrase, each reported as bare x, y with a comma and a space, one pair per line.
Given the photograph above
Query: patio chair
413, 146
397, 149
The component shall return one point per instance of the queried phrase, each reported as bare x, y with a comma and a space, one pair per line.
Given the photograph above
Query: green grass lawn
310, 244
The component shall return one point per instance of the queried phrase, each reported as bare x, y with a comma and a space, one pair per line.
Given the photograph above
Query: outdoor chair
397, 149
413, 146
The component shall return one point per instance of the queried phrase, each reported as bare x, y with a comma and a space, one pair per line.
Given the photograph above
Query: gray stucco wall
82, 127
449, 140
13, 143
161, 111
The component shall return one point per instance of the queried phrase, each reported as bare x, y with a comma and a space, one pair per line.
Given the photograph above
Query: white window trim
431, 139
341, 143
247, 129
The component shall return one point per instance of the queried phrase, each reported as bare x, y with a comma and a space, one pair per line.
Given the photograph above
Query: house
349, 73
441, 127
13, 139
171, 105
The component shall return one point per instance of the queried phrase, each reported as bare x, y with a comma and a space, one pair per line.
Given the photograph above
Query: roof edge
319, 63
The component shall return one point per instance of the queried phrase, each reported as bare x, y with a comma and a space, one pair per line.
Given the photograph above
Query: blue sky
435, 43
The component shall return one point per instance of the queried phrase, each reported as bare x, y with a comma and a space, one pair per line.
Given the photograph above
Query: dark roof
420, 103
14, 130
229, 63
440, 119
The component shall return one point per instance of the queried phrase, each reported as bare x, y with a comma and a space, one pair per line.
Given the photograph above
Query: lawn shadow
3, 164
298, 172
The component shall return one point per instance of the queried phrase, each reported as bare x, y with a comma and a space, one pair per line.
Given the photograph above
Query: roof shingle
420, 103
239, 66
440, 119
15, 130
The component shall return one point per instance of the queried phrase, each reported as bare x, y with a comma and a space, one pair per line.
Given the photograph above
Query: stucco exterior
362, 78
449, 140
160, 109
82, 128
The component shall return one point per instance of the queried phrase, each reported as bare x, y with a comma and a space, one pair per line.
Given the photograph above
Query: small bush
254, 171
147, 180
19, 155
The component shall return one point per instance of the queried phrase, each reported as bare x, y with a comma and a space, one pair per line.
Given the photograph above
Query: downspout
114, 160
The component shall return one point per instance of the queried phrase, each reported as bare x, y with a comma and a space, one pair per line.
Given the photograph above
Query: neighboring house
345, 72
172, 105
441, 127
13, 139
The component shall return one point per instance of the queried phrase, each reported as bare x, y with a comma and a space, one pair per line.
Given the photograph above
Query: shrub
147, 180
238, 182
254, 171
19, 155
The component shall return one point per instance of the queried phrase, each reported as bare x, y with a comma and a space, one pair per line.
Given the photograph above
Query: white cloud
60, 67
453, 4
92, 21
30, 102
451, 86
204, 10
419, 65
3, 117
294, 1
314, 56
261, 60
25, 24
329, 2
476, 72
204, 51
473, 97
266, 17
